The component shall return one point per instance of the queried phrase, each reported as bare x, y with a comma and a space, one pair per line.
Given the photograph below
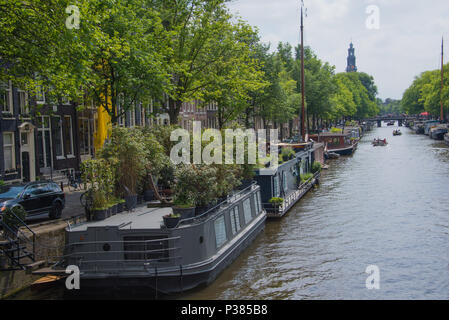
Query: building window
68, 136
220, 232
23, 102
9, 151
44, 143
6, 97
235, 220
65, 100
247, 211
40, 95
85, 136
59, 148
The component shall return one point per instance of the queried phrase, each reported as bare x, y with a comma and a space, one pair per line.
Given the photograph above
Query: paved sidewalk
73, 206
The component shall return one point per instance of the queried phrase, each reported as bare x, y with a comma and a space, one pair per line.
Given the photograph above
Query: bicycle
74, 180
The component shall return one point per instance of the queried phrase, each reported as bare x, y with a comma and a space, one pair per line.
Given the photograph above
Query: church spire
351, 59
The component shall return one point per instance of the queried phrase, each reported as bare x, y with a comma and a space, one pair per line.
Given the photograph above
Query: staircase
17, 250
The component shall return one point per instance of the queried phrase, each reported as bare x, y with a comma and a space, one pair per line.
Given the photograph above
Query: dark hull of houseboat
439, 135
172, 280
446, 139
347, 151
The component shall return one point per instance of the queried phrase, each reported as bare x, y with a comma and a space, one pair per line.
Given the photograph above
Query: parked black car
40, 199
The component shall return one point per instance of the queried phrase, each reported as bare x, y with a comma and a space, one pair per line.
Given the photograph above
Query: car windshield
10, 192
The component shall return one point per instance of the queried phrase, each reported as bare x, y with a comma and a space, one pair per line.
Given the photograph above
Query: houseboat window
247, 210
145, 248
258, 204
235, 220
285, 181
220, 232
8, 150
276, 186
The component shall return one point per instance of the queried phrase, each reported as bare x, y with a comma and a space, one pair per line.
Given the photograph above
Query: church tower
351, 60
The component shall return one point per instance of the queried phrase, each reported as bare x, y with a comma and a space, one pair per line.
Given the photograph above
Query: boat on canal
284, 181
438, 132
137, 250
429, 125
391, 123
446, 138
339, 143
380, 143
397, 133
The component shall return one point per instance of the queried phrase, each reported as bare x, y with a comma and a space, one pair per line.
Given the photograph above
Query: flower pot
120, 207
148, 195
114, 210
186, 213
131, 202
171, 223
99, 215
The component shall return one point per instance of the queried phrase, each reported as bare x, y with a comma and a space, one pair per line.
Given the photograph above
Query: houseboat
418, 127
397, 133
446, 138
438, 132
429, 125
284, 181
340, 143
136, 250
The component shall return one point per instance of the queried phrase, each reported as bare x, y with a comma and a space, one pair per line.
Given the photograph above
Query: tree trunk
156, 192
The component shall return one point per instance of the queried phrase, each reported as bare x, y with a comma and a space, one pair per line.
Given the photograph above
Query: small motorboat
380, 143
391, 123
397, 133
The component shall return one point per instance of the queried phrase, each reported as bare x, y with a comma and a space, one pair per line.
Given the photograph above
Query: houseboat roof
140, 218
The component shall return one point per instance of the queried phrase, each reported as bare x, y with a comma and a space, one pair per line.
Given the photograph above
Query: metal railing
233, 198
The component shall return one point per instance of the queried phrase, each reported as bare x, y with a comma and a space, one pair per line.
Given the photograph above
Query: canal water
384, 206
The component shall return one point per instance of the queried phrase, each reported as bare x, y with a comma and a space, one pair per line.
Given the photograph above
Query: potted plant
276, 202
172, 220
120, 205
316, 167
287, 154
306, 177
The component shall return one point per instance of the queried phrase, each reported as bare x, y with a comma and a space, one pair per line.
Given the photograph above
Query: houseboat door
27, 152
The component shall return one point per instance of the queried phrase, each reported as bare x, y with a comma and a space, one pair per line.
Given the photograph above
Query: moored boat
380, 143
446, 138
438, 132
284, 182
137, 251
397, 133
340, 143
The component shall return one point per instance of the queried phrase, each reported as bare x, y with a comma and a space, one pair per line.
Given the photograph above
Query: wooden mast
442, 76
303, 129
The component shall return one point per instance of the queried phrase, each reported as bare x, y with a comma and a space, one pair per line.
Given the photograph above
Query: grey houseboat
285, 181
136, 250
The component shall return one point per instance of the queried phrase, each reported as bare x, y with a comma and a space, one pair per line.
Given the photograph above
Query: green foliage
287, 154
425, 95
10, 215
2, 183
336, 130
316, 167
195, 185
276, 201
127, 148
99, 175
306, 177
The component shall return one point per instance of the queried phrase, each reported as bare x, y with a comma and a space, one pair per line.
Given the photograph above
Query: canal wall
50, 240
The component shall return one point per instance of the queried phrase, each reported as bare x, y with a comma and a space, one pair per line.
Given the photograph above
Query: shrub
306, 177
276, 201
316, 167
100, 176
9, 217
287, 153
336, 130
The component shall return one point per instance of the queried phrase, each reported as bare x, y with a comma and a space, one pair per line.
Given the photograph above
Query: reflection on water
384, 206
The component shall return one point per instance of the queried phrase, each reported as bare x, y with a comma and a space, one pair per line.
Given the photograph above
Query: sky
404, 41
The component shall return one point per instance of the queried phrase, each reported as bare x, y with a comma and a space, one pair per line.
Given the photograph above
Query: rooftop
140, 218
